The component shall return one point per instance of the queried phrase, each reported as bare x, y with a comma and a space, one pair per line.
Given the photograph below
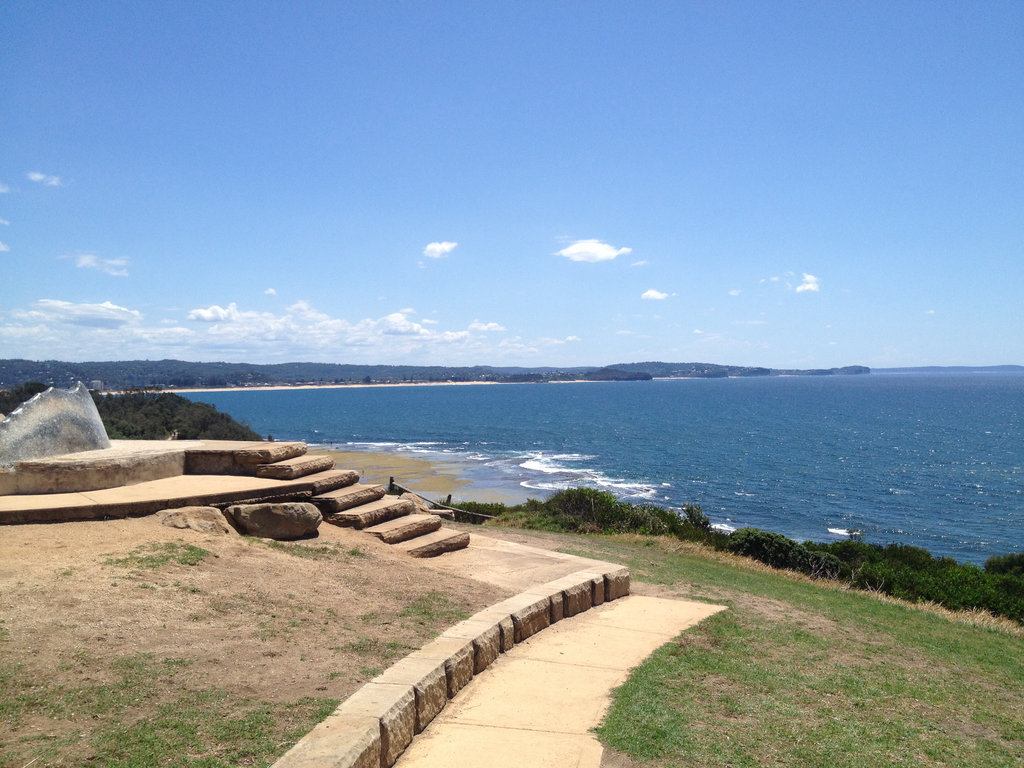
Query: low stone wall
373, 727
90, 473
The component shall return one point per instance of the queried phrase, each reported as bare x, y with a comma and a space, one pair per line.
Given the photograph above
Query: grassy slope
796, 673
793, 674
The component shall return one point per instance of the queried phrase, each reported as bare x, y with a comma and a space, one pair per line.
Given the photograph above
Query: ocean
931, 460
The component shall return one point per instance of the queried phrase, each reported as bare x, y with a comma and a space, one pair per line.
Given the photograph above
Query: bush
825, 565
159, 415
1009, 564
773, 549
695, 516
911, 573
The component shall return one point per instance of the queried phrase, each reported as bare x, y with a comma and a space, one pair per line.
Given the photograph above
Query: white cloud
810, 283
105, 315
4, 247
270, 292
930, 312
735, 292
4, 223
44, 179
397, 324
51, 329
641, 263
653, 295
303, 327
4, 189
698, 331
592, 251
439, 250
549, 342
116, 267
214, 313
476, 325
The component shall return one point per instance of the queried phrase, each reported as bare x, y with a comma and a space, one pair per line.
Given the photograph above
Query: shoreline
281, 387
433, 478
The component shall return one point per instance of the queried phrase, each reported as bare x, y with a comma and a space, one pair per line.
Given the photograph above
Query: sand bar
278, 387
432, 476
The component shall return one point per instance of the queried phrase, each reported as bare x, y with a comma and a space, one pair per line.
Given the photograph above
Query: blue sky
772, 183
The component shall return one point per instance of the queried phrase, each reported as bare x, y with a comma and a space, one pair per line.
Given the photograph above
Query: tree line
146, 415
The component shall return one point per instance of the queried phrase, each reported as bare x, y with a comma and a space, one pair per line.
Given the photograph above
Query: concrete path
536, 704
509, 564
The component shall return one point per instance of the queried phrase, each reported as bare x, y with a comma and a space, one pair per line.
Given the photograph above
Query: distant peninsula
180, 374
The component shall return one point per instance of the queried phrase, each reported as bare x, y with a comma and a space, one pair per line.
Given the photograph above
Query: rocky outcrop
285, 521
201, 519
422, 505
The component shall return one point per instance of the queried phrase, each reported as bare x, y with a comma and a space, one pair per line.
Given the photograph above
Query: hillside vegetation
149, 374
148, 415
902, 571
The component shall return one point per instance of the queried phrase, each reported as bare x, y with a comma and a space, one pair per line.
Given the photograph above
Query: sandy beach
434, 478
277, 387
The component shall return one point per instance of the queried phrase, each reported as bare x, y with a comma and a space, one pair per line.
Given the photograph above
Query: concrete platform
127, 462
149, 497
513, 566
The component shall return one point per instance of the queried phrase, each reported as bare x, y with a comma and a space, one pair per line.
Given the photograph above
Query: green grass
312, 551
384, 649
797, 673
183, 734
306, 551
432, 609
194, 728
152, 556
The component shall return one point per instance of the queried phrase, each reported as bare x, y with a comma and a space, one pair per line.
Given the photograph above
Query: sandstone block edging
375, 725
394, 706
458, 656
339, 741
486, 637
429, 684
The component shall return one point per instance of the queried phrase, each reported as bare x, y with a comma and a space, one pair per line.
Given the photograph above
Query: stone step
373, 513
327, 481
237, 457
347, 498
298, 466
148, 497
436, 543
405, 528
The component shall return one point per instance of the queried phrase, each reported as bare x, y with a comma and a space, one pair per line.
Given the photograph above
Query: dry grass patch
197, 649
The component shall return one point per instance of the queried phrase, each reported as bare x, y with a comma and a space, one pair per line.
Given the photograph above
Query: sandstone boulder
283, 521
422, 505
201, 519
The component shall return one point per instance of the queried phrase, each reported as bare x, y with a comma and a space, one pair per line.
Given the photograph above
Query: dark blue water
934, 460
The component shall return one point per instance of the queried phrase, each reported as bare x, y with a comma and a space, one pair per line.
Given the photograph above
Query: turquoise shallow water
931, 460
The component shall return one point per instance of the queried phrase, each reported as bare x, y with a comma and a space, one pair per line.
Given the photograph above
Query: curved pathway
536, 704
519, 683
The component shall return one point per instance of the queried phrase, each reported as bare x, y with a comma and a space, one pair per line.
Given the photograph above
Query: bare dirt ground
91, 610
